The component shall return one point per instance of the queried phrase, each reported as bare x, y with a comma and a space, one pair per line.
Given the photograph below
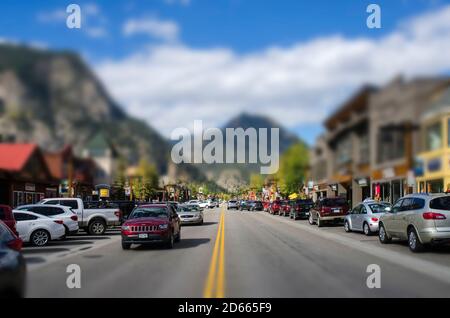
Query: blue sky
233, 34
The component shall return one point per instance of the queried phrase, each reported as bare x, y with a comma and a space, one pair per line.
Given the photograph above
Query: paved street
255, 255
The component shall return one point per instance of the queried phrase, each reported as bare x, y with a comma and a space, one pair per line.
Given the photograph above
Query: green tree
148, 180
120, 180
293, 168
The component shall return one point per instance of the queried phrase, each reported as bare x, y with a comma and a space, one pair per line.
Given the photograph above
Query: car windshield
232, 201
304, 202
334, 202
379, 207
149, 213
442, 203
188, 208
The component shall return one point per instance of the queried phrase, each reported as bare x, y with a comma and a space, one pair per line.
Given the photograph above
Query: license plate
336, 210
143, 236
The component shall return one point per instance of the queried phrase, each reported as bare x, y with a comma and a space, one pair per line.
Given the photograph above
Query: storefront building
395, 134
24, 175
433, 163
348, 140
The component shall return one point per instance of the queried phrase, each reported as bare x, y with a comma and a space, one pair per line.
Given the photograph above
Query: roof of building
15, 156
355, 103
54, 163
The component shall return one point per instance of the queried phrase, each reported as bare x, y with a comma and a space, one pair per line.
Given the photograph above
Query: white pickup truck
92, 217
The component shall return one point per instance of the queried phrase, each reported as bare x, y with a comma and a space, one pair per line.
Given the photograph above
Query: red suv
328, 210
7, 217
266, 206
275, 207
152, 223
285, 209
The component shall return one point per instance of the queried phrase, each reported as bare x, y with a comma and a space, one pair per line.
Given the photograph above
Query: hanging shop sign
30, 187
363, 182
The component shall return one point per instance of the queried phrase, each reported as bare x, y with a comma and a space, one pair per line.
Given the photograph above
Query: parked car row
420, 219
54, 219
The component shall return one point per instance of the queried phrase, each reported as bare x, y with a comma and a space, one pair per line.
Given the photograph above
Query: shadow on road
185, 243
34, 260
204, 224
37, 250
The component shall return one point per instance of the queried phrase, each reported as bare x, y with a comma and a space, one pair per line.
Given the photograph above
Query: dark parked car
256, 206
152, 223
12, 264
245, 205
328, 210
7, 216
275, 207
300, 209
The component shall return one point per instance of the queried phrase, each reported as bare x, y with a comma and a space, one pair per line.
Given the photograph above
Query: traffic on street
238, 254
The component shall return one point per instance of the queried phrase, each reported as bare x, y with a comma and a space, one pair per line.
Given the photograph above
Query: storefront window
364, 149
390, 144
343, 151
435, 186
397, 192
433, 137
448, 132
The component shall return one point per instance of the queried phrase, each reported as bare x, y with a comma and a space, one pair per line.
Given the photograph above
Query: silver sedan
190, 214
366, 216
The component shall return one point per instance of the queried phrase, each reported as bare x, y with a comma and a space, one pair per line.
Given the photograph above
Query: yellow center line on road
216, 276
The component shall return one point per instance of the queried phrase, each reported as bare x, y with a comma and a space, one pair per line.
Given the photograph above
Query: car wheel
318, 222
311, 219
383, 236
97, 227
347, 227
178, 237
366, 229
170, 242
413, 241
40, 238
126, 246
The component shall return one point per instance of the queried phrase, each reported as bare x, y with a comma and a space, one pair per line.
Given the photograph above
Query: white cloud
171, 85
156, 28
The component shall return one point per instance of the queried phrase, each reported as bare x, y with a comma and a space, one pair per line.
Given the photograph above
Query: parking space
436, 254
71, 245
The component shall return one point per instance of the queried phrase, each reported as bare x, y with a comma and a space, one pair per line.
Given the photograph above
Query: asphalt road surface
240, 254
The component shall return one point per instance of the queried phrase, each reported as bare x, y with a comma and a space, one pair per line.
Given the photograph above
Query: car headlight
126, 228
163, 226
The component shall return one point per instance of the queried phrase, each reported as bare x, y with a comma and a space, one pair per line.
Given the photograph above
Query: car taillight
374, 219
58, 221
15, 244
74, 218
433, 216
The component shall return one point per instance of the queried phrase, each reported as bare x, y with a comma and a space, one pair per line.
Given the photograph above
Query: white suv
37, 229
421, 219
59, 212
